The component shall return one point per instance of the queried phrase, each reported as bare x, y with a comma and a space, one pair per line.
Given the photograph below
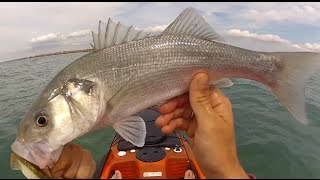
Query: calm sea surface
270, 142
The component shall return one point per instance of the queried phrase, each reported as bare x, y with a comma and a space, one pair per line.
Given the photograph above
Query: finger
85, 166
168, 106
93, 168
199, 94
189, 174
64, 161
187, 111
117, 175
165, 119
192, 128
183, 99
178, 123
171, 104
76, 159
47, 171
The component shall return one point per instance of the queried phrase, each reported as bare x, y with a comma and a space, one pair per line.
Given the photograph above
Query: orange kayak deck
163, 156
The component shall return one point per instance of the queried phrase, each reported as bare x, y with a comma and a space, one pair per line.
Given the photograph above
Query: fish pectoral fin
132, 129
224, 82
189, 22
112, 33
14, 163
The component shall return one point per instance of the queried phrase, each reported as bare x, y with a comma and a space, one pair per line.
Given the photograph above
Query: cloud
251, 40
313, 46
47, 25
21, 22
304, 13
263, 37
156, 29
59, 37
81, 33
268, 42
255, 41
56, 41
51, 37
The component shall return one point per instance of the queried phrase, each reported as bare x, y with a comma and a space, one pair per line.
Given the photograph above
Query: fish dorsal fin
112, 33
189, 22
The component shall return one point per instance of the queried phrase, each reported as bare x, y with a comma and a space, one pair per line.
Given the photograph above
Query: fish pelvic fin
298, 67
189, 22
132, 129
111, 33
221, 83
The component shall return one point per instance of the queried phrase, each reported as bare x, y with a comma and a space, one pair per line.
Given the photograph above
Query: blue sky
34, 28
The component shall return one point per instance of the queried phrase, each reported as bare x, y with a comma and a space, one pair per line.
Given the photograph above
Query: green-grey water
271, 144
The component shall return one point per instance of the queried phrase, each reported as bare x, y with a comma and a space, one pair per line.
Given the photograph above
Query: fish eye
42, 121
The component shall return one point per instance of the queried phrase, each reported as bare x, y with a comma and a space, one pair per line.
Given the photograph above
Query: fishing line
98, 172
189, 163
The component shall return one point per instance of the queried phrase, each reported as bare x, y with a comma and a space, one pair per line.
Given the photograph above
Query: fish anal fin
224, 82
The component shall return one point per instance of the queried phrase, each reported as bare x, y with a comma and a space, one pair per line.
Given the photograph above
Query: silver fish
130, 70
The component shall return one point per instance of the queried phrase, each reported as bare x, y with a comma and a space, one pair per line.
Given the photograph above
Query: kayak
162, 156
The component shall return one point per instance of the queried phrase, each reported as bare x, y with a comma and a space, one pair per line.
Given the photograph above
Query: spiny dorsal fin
112, 33
95, 40
189, 22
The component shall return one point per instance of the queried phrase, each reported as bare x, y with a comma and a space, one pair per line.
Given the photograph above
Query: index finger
171, 104
65, 160
86, 166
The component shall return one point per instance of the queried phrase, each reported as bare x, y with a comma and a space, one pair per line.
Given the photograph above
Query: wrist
237, 172
234, 171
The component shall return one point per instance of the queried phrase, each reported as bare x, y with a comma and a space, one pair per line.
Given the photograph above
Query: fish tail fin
298, 67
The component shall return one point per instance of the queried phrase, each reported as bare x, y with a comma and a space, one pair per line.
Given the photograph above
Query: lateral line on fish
121, 88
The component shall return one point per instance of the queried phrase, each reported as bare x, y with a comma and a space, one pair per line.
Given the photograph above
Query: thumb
199, 94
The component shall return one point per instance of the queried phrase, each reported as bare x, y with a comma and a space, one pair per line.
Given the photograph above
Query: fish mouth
38, 153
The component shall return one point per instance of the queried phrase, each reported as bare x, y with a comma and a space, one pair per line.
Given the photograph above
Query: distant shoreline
57, 53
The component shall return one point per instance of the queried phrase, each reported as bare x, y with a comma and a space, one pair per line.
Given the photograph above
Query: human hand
211, 129
74, 163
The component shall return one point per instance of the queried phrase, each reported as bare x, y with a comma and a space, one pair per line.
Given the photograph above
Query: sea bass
130, 70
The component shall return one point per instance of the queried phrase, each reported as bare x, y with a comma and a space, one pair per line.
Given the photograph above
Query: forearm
216, 162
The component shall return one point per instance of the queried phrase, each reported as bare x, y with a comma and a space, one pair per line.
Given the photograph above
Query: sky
33, 28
